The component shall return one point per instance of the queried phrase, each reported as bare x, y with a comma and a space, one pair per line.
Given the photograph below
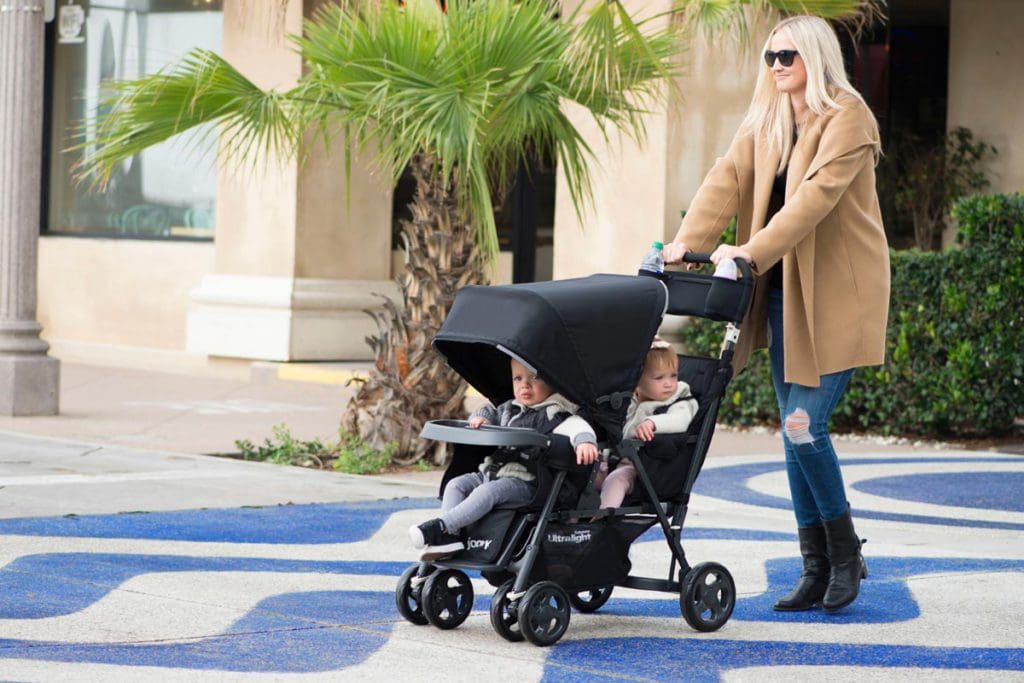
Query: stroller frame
439, 592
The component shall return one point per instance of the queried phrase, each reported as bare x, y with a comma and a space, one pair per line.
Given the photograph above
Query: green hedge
955, 345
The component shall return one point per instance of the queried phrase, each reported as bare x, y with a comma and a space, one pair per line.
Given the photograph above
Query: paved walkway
126, 554
206, 414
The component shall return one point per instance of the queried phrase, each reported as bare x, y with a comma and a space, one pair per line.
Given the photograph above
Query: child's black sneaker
435, 541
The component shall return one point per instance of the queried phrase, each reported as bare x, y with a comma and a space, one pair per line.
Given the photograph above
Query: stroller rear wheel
708, 596
409, 598
447, 598
544, 613
505, 614
591, 600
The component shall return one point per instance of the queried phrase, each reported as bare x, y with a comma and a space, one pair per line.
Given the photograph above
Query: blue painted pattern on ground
695, 659
63, 583
327, 523
315, 631
730, 483
267, 639
982, 490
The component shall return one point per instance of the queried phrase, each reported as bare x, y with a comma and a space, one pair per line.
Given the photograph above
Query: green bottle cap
658, 245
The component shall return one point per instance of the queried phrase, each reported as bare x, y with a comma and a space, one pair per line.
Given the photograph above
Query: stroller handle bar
698, 257
459, 431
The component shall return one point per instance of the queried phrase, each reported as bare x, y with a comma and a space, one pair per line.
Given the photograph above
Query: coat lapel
799, 160
766, 163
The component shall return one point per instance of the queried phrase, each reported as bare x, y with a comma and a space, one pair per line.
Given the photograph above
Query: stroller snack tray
459, 431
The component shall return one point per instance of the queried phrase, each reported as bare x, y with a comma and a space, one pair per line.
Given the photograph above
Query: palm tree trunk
410, 382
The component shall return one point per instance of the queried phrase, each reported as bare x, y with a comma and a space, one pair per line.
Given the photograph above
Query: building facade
187, 261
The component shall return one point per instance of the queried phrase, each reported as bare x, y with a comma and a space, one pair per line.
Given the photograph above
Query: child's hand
586, 454
645, 430
475, 422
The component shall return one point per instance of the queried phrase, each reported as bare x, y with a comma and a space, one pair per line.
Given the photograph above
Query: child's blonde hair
662, 358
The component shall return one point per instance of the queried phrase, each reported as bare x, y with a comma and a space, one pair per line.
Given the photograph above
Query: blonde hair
662, 358
770, 116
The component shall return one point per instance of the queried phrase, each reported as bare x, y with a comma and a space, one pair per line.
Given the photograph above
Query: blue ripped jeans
815, 481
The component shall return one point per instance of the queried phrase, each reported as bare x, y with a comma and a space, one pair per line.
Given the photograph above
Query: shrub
954, 362
350, 454
355, 456
284, 449
933, 177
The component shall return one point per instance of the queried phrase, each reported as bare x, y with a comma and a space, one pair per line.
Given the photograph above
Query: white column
29, 378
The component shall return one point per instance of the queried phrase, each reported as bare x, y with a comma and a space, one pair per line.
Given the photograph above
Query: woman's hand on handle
674, 252
728, 251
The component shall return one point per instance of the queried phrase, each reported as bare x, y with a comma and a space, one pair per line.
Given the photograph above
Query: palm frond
201, 89
733, 19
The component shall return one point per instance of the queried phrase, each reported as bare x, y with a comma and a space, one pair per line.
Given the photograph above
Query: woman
800, 175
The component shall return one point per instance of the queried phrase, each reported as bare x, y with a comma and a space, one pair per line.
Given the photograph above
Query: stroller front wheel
544, 613
409, 598
505, 614
707, 597
447, 598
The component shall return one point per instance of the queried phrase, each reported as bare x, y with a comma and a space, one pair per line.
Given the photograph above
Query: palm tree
463, 95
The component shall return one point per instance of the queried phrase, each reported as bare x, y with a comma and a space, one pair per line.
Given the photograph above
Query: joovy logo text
475, 543
578, 536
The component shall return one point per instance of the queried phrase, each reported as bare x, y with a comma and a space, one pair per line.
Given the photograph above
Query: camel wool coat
828, 235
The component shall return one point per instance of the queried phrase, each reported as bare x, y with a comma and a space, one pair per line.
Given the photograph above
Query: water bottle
654, 260
726, 268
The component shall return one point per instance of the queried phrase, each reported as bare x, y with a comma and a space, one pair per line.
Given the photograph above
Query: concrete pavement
126, 554
206, 413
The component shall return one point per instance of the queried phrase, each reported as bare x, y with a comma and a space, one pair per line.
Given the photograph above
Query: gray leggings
469, 497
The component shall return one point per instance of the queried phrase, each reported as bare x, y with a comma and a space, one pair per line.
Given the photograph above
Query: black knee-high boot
810, 589
848, 566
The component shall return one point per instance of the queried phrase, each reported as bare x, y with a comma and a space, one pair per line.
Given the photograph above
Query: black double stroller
588, 338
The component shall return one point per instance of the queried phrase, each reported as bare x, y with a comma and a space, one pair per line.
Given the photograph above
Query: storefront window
169, 190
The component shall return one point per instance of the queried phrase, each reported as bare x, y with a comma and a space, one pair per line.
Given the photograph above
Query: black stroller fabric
584, 556
571, 331
486, 537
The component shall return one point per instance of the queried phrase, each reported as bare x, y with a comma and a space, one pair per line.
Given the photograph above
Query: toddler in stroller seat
662, 404
504, 480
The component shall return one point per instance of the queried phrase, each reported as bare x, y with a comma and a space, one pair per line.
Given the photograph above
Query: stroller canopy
587, 337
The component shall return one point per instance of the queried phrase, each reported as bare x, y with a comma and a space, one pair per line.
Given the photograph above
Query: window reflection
169, 190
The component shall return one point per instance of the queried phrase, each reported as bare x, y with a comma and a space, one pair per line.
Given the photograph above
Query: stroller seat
670, 462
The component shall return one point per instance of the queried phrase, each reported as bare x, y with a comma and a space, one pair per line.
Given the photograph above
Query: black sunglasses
785, 57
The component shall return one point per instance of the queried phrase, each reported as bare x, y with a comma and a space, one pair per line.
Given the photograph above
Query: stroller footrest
650, 584
468, 564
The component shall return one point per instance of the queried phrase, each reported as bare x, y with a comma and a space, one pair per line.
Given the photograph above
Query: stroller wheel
707, 597
409, 598
505, 614
447, 598
544, 613
591, 600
